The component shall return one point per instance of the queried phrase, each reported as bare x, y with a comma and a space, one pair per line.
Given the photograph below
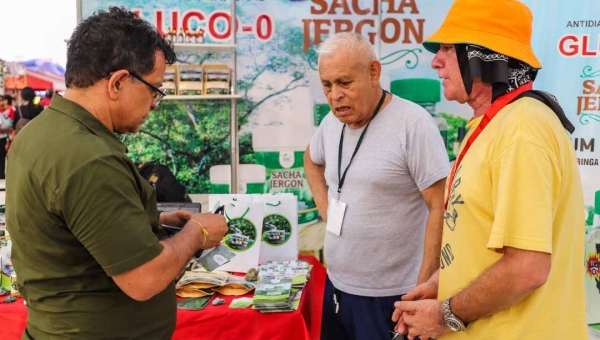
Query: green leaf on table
193, 303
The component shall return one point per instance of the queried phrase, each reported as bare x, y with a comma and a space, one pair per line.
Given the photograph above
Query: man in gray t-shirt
384, 205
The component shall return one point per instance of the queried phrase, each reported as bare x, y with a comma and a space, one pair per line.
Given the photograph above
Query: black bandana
506, 74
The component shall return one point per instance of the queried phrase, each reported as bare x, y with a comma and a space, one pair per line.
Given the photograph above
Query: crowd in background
15, 114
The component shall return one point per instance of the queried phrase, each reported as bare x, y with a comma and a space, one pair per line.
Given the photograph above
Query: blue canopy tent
44, 66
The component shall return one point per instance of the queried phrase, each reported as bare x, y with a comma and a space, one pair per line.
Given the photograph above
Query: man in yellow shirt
512, 246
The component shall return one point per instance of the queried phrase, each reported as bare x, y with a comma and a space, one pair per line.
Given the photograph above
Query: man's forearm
318, 187
315, 175
503, 285
433, 245
154, 276
180, 249
435, 277
434, 198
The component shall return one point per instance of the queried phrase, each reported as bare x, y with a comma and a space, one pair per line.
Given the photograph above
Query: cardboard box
170, 81
217, 79
190, 80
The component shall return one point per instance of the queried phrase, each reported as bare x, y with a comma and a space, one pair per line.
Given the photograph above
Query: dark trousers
358, 317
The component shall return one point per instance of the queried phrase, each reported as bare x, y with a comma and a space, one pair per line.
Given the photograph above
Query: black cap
8, 98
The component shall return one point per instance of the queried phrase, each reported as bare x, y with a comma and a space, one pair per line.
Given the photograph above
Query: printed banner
566, 40
283, 103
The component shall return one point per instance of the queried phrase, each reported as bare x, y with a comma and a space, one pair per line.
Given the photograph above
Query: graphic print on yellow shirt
451, 215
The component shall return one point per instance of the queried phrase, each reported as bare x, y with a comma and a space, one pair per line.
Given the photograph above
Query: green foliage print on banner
188, 137
276, 230
191, 136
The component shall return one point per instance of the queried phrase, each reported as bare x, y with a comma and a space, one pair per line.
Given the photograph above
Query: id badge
335, 216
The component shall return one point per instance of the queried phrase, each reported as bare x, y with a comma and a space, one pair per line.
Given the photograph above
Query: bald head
352, 45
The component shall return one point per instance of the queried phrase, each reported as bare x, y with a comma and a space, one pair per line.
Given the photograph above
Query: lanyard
342, 178
498, 105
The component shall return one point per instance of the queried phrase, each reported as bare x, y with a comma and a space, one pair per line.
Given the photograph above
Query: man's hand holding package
176, 218
423, 318
213, 227
425, 291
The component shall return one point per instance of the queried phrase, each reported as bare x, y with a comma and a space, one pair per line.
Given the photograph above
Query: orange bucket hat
503, 26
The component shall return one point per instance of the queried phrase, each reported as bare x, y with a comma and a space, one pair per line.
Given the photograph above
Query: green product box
285, 174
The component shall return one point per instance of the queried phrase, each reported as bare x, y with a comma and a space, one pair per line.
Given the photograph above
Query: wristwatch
452, 321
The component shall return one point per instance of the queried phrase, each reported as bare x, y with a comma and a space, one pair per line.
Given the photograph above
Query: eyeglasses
158, 94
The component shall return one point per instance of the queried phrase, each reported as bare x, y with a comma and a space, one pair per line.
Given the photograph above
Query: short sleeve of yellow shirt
524, 178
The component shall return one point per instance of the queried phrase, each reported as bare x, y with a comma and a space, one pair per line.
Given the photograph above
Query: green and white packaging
593, 233
244, 219
281, 151
251, 179
279, 229
279, 236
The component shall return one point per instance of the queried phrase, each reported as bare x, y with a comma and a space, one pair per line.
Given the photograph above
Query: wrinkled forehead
346, 54
341, 65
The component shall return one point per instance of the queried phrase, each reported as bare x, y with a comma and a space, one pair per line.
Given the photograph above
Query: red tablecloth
221, 322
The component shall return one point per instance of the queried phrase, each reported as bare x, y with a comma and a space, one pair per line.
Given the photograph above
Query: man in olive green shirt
90, 258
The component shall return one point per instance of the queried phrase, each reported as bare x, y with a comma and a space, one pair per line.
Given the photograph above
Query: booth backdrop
282, 100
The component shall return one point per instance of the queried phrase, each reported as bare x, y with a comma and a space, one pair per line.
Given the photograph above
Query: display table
221, 322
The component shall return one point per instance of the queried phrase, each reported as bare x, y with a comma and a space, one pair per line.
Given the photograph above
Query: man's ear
115, 83
375, 72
